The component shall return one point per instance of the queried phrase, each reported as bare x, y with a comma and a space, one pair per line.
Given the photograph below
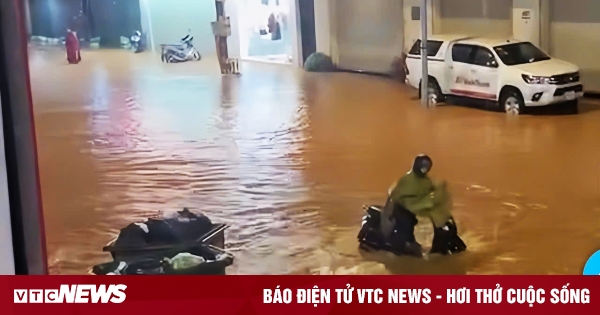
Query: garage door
475, 17
369, 33
574, 30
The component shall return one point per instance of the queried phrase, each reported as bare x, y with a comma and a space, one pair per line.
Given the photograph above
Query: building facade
366, 35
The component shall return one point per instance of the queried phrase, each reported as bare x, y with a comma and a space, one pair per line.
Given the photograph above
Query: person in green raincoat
415, 195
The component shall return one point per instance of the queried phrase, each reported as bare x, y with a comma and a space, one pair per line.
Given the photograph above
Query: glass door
266, 30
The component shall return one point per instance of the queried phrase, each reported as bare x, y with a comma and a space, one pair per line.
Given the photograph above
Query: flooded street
288, 158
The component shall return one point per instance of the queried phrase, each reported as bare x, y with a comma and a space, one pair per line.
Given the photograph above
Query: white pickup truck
514, 74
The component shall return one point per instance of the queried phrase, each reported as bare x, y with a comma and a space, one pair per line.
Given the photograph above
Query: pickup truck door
447, 85
484, 74
459, 65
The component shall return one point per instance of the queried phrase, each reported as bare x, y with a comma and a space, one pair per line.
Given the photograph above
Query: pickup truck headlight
530, 79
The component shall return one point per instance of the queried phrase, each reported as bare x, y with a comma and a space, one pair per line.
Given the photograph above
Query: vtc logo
592, 267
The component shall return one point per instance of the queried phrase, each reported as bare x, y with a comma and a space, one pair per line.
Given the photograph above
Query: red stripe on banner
486, 96
231, 295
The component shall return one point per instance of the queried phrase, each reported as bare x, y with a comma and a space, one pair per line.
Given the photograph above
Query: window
433, 46
415, 13
462, 53
520, 53
484, 57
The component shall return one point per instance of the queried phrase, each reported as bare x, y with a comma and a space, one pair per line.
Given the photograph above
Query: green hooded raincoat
420, 196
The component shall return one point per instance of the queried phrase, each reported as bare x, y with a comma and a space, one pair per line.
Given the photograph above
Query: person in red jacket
72, 45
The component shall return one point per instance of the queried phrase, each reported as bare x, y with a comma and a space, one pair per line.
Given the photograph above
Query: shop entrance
266, 30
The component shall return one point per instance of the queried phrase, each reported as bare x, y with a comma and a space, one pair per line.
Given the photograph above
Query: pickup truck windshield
520, 53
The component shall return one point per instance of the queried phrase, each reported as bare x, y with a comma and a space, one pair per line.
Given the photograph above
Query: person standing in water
72, 46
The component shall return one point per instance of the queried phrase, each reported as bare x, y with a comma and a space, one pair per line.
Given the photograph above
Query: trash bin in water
215, 262
141, 248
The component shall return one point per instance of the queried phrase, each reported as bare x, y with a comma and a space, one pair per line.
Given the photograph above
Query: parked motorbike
137, 43
180, 52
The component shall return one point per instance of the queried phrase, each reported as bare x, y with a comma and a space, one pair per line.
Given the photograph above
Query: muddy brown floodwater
288, 159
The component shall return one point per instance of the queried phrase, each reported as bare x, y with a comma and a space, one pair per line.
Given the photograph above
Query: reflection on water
288, 158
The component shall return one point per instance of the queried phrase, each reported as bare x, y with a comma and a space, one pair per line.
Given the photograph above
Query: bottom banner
229, 295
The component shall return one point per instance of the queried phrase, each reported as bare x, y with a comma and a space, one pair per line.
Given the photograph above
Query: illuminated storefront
266, 31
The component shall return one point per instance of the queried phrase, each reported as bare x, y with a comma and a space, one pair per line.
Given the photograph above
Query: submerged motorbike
137, 43
180, 52
370, 237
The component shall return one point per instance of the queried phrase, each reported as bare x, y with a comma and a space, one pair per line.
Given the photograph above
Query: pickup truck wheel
511, 102
434, 92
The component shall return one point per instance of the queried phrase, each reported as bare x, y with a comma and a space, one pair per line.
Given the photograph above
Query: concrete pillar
27, 19
146, 20
527, 21
296, 37
436, 16
545, 20
221, 41
233, 41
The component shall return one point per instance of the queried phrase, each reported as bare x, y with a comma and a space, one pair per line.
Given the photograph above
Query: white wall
369, 33
474, 17
326, 27
526, 20
323, 29
575, 25
412, 28
170, 21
